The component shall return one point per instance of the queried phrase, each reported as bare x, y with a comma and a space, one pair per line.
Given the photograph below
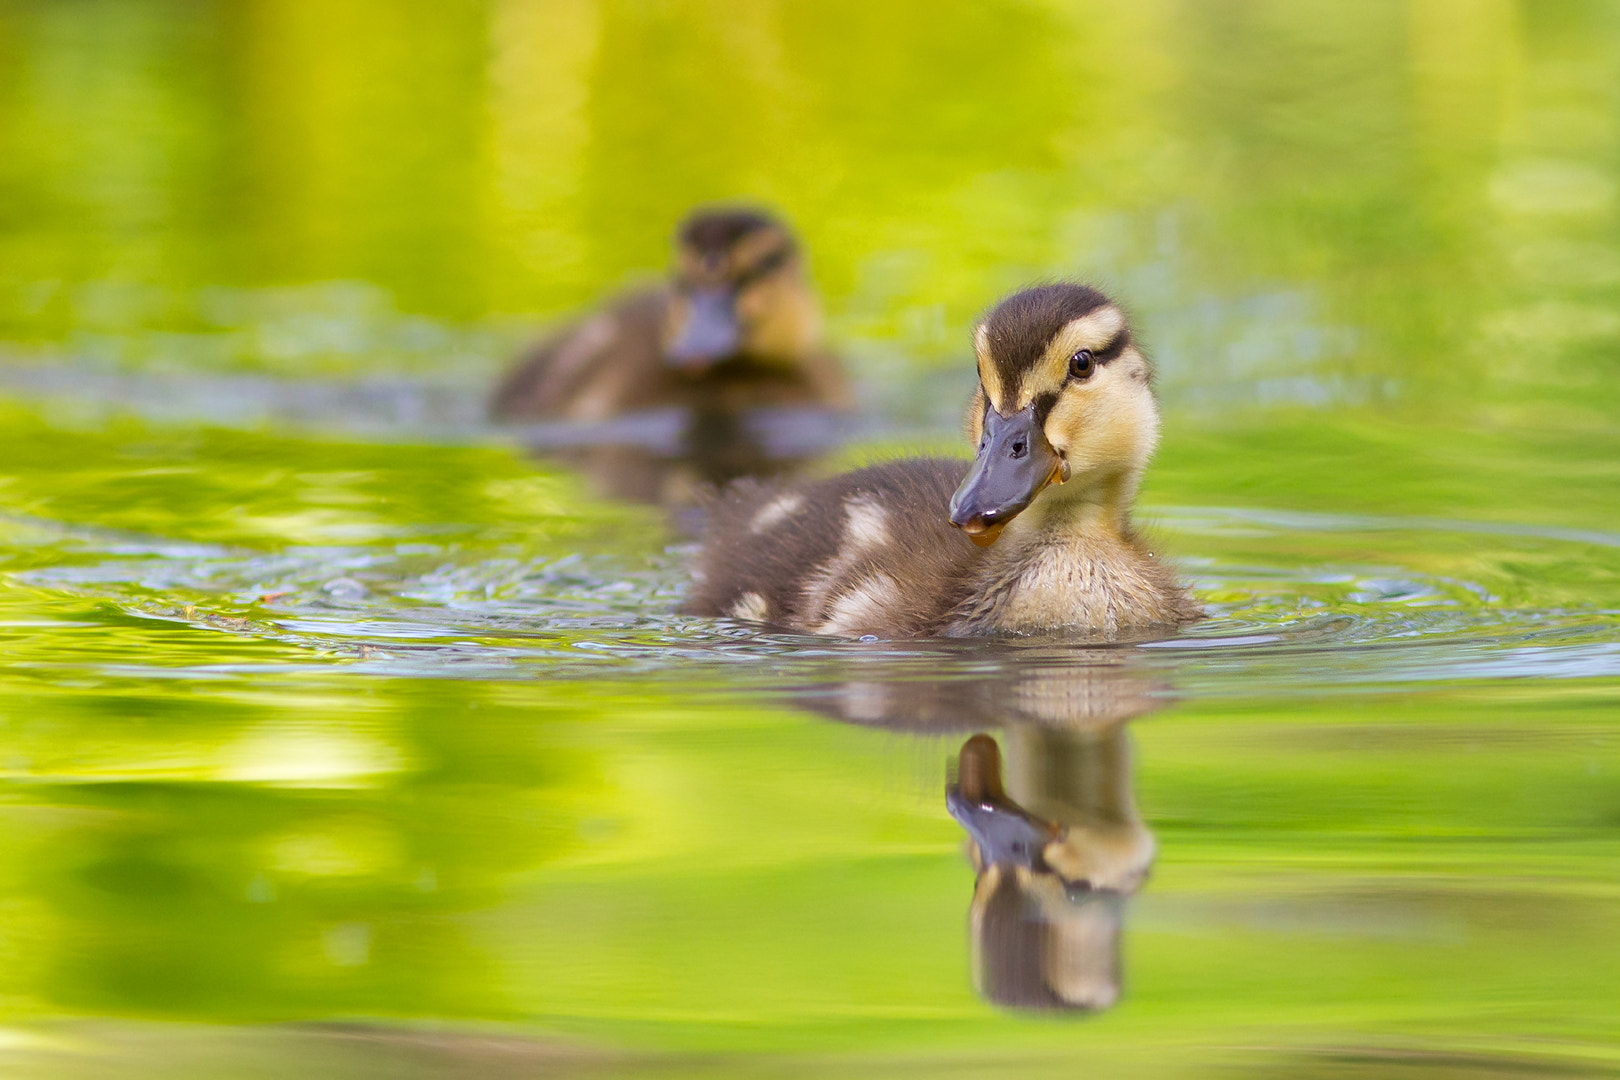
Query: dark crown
1021, 327
719, 229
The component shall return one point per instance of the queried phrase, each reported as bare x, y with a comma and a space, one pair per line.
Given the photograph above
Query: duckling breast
1105, 585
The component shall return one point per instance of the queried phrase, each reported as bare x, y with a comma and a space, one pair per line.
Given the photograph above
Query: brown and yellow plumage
1035, 534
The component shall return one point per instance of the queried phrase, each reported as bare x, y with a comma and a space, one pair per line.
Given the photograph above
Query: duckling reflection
1058, 846
1055, 862
719, 374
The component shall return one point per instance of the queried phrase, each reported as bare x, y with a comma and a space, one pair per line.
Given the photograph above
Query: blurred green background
346, 737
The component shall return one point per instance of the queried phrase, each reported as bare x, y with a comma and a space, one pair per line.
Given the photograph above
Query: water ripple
1284, 626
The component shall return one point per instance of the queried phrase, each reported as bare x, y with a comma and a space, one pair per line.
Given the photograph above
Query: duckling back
607, 363
866, 552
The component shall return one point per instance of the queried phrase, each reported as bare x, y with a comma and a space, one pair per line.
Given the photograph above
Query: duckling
737, 328
1034, 534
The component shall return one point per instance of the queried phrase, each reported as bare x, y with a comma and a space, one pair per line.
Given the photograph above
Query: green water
337, 734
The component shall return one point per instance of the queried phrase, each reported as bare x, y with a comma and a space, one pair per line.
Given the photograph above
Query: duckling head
1063, 399
740, 290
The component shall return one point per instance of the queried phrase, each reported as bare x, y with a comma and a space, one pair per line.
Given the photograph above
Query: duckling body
738, 327
1033, 535
871, 552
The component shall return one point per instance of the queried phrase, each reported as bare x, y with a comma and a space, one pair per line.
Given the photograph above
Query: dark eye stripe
1043, 406
765, 265
1115, 347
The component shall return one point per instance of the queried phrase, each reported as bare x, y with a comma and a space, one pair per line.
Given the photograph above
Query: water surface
336, 731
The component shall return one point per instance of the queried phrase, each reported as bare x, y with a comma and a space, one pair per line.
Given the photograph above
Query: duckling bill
1034, 534
738, 327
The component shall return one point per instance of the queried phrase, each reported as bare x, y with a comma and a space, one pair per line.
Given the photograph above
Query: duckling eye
1081, 364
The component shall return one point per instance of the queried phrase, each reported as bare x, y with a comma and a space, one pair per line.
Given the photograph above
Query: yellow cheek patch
975, 418
1095, 330
1069, 417
989, 377
1111, 419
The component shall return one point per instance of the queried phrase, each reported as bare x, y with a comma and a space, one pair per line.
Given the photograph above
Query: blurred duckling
737, 328
1034, 535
